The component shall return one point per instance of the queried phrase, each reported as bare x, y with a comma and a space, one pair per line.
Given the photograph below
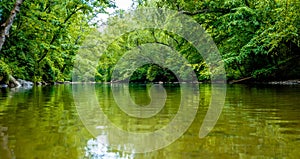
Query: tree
257, 39
46, 36
8, 23
4, 32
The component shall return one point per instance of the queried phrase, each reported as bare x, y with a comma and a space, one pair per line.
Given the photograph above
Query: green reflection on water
256, 122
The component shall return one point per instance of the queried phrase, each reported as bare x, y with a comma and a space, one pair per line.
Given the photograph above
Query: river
257, 121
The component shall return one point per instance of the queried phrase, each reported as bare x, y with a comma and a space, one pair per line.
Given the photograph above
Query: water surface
260, 121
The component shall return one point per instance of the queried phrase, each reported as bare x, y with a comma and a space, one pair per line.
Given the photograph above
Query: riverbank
29, 84
288, 82
275, 82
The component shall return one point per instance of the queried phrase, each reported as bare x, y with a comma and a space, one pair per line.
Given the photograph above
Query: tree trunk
7, 25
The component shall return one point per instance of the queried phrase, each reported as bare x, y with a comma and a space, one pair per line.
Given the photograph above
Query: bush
4, 72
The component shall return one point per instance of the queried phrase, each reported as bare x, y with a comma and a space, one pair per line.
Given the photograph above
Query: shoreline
279, 82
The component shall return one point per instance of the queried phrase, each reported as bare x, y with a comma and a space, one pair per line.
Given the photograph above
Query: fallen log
240, 80
13, 83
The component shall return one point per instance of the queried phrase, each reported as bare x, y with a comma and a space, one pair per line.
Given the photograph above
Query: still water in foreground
256, 122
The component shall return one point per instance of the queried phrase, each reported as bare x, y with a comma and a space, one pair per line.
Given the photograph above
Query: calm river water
257, 121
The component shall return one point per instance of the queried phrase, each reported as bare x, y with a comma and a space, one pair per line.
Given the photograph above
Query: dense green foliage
45, 37
257, 39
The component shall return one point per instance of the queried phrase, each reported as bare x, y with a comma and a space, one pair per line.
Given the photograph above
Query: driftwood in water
240, 80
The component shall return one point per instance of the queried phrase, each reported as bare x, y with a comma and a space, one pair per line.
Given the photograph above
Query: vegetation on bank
257, 40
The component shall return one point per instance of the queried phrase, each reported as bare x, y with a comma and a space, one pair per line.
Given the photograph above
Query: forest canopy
257, 40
